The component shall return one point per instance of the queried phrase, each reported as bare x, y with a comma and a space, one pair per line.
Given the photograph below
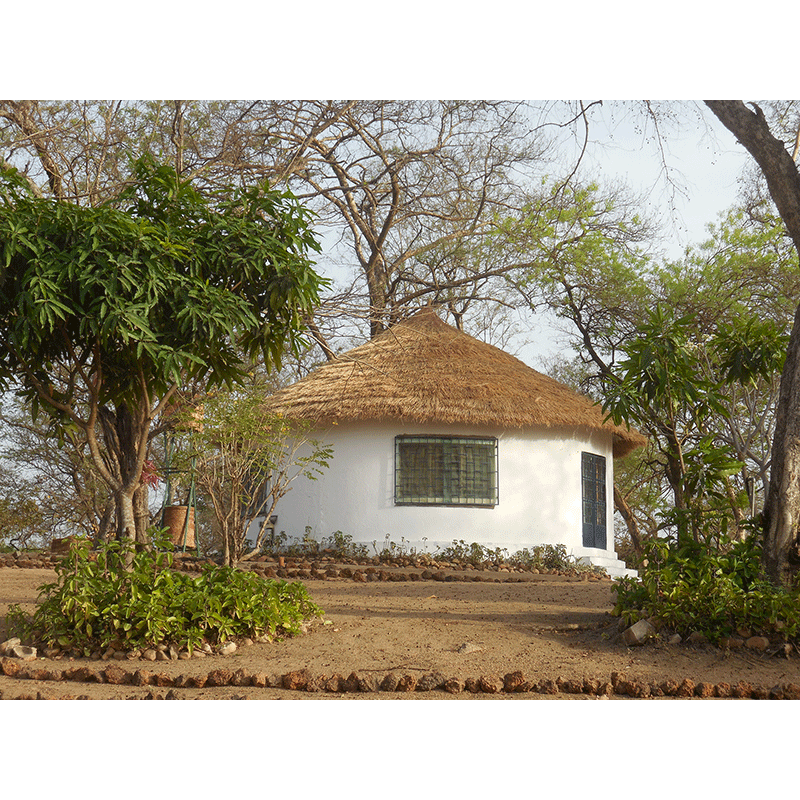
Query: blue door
593, 480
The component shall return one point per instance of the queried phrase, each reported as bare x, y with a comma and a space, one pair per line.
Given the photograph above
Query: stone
731, 642
685, 688
723, 689
704, 689
697, 638
453, 686
591, 686
389, 683
368, 683
742, 689
334, 684
23, 652
296, 680
228, 649
757, 643
219, 677
547, 686
469, 647
638, 633
351, 683
408, 683
674, 639
240, 678
115, 675
5, 647
9, 667
149, 654
490, 684
515, 682
430, 682
259, 680
142, 677
791, 691
172, 652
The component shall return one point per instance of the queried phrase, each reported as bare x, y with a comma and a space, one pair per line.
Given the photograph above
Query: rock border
303, 680
325, 567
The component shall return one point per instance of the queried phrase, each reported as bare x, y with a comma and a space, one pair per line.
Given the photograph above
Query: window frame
449, 496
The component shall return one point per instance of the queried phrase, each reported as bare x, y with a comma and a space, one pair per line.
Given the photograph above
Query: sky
703, 162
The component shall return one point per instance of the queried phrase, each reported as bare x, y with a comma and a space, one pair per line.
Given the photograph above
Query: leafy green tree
105, 311
246, 460
671, 387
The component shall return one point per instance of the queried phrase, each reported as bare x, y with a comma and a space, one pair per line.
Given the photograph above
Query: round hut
438, 437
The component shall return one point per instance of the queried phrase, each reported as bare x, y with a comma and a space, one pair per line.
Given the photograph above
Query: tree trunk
782, 507
621, 504
141, 511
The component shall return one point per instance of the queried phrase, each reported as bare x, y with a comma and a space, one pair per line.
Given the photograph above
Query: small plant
690, 588
544, 556
341, 545
95, 601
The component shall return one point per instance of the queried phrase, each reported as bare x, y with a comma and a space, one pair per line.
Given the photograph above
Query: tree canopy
105, 311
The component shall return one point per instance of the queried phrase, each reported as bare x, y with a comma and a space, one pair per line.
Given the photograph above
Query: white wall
539, 476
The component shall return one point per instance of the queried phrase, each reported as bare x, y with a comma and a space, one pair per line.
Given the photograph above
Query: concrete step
606, 559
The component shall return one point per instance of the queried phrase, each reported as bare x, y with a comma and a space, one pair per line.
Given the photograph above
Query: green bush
715, 592
96, 600
543, 556
473, 553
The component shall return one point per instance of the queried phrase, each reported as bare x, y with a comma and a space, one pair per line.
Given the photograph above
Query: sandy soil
546, 626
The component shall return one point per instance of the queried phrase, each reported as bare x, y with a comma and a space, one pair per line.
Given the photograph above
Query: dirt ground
546, 626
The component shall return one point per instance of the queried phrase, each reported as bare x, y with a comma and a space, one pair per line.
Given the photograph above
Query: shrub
716, 592
544, 556
473, 553
96, 600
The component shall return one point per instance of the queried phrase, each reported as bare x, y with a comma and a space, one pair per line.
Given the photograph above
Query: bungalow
440, 437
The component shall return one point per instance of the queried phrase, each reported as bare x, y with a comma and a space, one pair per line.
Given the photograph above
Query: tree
246, 460
57, 476
781, 523
668, 390
105, 311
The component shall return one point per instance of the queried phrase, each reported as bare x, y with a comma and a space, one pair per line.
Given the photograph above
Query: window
593, 479
441, 470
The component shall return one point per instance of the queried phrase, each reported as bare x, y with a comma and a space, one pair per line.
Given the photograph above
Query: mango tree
105, 311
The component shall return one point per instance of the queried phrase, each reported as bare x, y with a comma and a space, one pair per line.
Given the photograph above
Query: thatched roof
423, 370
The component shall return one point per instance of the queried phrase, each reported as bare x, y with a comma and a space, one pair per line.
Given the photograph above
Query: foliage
717, 592
246, 459
21, 521
543, 556
105, 311
342, 545
95, 602
672, 386
472, 553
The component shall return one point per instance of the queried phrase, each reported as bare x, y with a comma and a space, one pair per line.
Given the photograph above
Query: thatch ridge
424, 370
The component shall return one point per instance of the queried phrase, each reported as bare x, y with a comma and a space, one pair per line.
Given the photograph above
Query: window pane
445, 471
